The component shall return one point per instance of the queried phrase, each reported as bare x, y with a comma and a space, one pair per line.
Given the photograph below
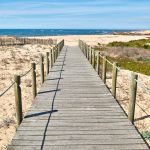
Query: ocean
55, 32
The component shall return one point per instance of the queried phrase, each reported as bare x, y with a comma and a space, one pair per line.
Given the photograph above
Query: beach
17, 60
72, 40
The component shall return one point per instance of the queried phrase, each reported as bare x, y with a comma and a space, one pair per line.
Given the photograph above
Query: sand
17, 59
72, 40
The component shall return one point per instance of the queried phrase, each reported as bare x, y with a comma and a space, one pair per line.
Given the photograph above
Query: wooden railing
50, 60
7, 41
100, 64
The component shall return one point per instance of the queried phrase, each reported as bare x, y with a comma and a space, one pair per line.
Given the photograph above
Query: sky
75, 14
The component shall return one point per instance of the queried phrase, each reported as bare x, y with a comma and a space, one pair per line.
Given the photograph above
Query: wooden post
94, 58
59, 49
56, 49
82, 46
42, 67
55, 54
47, 63
18, 99
51, 57
132, 98
104, 69
114, 79
34, 90
84, 49
91, 55
88, 49
98, 63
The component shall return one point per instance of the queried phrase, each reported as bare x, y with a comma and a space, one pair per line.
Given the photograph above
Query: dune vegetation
142, 43
132, 55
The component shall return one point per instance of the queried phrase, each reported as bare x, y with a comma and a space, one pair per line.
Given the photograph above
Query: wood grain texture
74, 110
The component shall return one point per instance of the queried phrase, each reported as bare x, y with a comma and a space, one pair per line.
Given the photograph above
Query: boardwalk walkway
75, 111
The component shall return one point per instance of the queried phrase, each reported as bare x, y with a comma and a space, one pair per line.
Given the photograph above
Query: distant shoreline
69, 32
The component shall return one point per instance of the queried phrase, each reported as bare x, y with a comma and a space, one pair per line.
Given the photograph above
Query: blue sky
75, 14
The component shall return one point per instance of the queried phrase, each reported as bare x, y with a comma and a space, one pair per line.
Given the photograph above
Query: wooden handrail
17, 79
115, 69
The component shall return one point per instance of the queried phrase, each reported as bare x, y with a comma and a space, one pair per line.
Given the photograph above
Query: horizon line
74, 29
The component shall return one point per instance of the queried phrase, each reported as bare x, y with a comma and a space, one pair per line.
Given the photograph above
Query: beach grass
142, 43
133, 55
132, 65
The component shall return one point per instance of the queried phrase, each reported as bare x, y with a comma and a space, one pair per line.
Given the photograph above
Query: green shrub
147, 46
134, 43
146, 135
129, 64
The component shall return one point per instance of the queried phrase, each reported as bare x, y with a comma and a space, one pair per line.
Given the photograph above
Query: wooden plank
76, 136
80, 128
87, 132
78, 141
83, 147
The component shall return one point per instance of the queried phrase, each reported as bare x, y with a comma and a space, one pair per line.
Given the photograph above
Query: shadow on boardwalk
52, 105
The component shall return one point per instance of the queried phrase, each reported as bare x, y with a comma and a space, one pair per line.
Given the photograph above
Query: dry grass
134, 59
125, 52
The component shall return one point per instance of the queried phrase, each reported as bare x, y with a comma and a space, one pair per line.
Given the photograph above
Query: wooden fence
7, 41
50, 60
100, 64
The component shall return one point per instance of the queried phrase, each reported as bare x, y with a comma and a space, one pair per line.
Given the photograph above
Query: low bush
146, 135
134, 43
129, 64
147, 46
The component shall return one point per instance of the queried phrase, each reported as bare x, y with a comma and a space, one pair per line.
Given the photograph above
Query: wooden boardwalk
74, 110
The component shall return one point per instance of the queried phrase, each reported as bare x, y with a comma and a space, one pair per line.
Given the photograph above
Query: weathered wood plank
82, 147
77, 141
